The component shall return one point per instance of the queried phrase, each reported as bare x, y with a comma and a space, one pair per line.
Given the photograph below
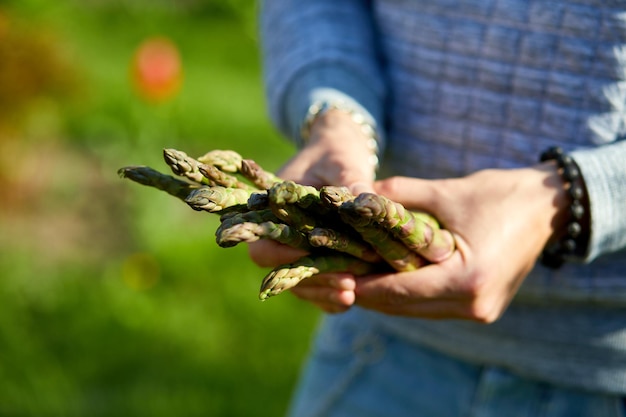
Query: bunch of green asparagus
361, 234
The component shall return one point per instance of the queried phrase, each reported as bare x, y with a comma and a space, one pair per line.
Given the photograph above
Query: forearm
604, 172
323, 50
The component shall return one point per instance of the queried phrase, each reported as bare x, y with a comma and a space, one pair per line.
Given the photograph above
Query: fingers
268, 253
406, 287
399, 295
359, 187
341, 281
431, 282
332, 293
414, 193
450, 290
327, 299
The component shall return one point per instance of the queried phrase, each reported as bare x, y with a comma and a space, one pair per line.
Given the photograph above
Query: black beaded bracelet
574, 241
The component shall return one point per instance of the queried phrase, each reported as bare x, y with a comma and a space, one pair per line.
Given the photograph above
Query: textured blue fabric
463, 85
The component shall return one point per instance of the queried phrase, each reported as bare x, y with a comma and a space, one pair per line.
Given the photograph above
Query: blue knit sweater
456, 86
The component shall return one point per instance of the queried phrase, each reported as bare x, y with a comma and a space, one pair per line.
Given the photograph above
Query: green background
114, 298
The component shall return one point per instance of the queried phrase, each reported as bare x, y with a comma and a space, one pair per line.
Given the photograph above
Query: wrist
352, 127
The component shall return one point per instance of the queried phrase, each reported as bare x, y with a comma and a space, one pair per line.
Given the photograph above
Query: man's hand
501, 220
336, 154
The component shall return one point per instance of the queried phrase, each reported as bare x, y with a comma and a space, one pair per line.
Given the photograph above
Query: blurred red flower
156, 69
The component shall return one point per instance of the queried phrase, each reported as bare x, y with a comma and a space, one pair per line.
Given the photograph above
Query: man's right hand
337, 153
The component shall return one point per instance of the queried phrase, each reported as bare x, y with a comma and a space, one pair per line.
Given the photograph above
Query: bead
570, 173
574, 229
577, 210
576, 192
551, 153
569, 245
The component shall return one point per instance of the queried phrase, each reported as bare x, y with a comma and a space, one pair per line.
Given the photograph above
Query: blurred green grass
115, 299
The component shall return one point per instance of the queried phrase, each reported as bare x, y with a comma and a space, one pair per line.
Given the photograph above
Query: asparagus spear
185, 166
393, 251
289, 275
251, 232
257, 175
333, 196
420, 232
227, 161
343, 242
217, 177
216, 199
295, 217
255, 216
152, 178
258, 201
284, 208
288, 192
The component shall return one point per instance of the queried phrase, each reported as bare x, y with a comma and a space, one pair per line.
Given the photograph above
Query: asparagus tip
197, 199
137, 173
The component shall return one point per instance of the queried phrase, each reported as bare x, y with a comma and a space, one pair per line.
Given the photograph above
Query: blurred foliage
115, 299
31, 67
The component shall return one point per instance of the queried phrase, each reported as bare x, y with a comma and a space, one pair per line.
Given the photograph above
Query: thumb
360, 187
415, 193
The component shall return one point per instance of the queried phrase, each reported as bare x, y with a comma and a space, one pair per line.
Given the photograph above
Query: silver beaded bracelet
317, 109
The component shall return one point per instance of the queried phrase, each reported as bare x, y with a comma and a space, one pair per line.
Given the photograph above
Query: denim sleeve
604, 171
319, 50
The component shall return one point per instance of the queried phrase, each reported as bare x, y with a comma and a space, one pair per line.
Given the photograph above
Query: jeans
356, 370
